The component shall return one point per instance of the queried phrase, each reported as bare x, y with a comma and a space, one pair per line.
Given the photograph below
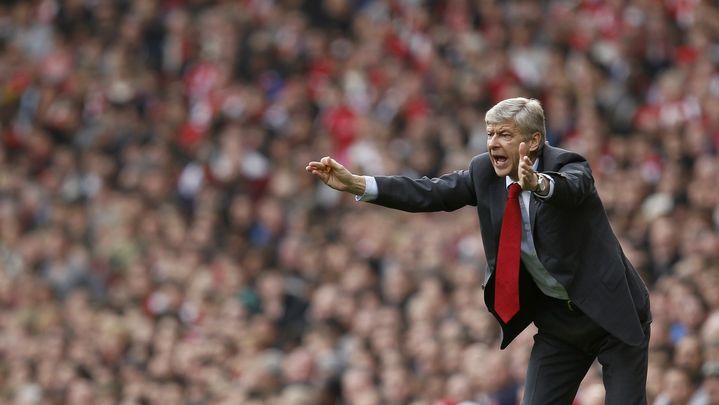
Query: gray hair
526, 113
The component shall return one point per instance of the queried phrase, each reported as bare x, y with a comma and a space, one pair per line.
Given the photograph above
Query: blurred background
161, 242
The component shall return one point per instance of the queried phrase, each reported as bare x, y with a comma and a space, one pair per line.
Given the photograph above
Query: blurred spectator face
396, 387
688, 354
710, 330
299, 395
593, 395
495, 374
396, 285
520, 360
258, 375
709, 286
662, 239
710, 338
80, 392
356, 381
323, 302
450, 330
711, 351
367, 397
459, 388
171, 394
654, 381
298, 366
691, 312
473, 362
271, 286
678, 386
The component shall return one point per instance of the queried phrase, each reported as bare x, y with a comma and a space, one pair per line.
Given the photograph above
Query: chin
501, 172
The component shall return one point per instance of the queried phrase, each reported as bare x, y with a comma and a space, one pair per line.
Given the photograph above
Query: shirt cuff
370, 190
551, 187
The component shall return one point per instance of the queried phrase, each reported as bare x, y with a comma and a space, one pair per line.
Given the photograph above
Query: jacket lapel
498, 200
534, 202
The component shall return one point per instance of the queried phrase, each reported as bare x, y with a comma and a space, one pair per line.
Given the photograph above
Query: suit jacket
572, 236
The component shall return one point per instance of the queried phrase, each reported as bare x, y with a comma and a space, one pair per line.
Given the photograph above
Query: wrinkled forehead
506, 126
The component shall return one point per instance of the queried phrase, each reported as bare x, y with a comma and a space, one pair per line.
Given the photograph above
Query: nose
491, 141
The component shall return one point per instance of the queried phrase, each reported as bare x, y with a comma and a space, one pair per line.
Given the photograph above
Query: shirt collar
508, 180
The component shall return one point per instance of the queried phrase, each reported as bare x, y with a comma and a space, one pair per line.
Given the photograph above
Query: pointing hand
332, 173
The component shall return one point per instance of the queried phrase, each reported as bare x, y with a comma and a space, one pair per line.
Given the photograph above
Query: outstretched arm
332, 173
446, 193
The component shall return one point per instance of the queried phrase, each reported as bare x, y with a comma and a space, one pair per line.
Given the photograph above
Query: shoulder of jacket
562, 156
480, 161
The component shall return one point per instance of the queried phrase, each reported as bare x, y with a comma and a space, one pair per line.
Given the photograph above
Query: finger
330, 164
314, 170
523, 150
315, 166
524, 168
328, 161
525, 171
322, 174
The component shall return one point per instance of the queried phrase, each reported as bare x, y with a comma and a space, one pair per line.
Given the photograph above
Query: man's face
503, 141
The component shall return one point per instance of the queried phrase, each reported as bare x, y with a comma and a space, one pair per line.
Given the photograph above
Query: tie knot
514, 190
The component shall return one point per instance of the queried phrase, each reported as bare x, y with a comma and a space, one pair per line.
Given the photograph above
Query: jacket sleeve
573, 183
446, 193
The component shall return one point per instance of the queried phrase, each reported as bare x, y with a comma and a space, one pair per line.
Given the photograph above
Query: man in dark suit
552, 256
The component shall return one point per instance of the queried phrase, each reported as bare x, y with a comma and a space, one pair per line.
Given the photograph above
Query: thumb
327, 161
331, 163
334, 164
523, 150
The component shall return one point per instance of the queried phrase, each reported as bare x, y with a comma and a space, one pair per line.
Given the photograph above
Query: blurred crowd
161, 243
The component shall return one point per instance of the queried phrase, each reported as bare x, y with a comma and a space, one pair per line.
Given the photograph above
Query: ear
534, 142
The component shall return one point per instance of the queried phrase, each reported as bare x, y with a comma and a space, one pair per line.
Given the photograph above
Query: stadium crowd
161, 243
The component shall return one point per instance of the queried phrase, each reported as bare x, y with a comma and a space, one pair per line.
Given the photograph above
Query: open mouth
499, 160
